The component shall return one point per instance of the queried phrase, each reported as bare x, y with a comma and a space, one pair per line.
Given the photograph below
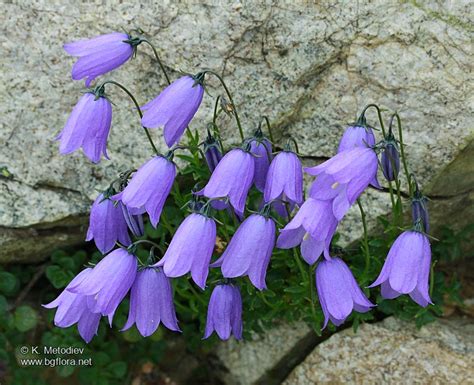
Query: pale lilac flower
343, 178
224, 314
407, 268
107, 224
108, 282
313, 227
88, 127
72, 308
100, 54
232, 179
261, 148
174, 108
285, 179
390, 161
191, 249
151, 302
249, 250
149, 188
338, 291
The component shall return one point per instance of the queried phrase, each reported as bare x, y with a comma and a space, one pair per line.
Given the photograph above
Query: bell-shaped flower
149, 188
407, 268
249, 250
88, 127
261, 148
191, 249
107, 224
232, 179
100, 54
108, 282
338, 291
224, 314
151, 302
312, 227
174, 107
285, 179
72, 308
343, 178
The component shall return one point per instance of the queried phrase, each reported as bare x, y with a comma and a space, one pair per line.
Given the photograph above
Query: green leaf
8, 283
58, 277
65, 371
118, 369
25, 318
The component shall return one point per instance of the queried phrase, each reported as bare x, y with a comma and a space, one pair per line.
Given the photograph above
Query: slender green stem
216, 108
291, 139
265, 300
379, 113
402, 153
196, 294
300, 264
366, 239
146, 241
270, 133
241, 132
162, 67
312, 294
137, 106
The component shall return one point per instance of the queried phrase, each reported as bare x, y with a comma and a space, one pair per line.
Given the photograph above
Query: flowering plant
249, 190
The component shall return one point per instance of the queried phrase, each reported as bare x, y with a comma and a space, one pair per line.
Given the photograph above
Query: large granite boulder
309, 67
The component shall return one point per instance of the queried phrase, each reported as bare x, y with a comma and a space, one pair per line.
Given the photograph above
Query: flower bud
390, 161
212, 152
419, 211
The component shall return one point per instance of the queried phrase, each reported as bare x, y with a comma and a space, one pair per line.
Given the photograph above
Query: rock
393, 352
309, 67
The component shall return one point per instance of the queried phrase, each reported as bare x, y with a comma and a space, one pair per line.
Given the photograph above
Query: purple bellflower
88, 126
261, 148
407, 268
249, 250
343, 178
285, 179
212, 152
339, 292
358, 136
100, 54
149, 188
151, 302
107, 224
108, 282
175, 107
232, 179
312, 227
134, 222
224, 314
72, 308
390, 161
191, 249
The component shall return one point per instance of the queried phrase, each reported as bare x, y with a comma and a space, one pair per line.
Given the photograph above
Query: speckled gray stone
393, 352
309, 67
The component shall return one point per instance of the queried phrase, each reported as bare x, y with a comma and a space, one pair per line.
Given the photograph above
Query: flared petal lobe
191, 249
224, 314
174, 108
249, 250
88, 127
262, 151
285, 179
338, 291
107, 224
99, 55
151, 302
407, 268
149, 187
232, 178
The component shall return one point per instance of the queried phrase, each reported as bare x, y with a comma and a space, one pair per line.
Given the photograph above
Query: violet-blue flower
261, 148
100, 54
149, 188
249, 250
407, 268
232, 179
338, 291
285, 179
88, 127
343, 178
107, 224
174, 107
72, 308
151, 302
191, 249
224, 314
108, 282
313, 227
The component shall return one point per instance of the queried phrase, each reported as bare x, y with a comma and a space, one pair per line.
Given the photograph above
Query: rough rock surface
393, 352
309, 67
